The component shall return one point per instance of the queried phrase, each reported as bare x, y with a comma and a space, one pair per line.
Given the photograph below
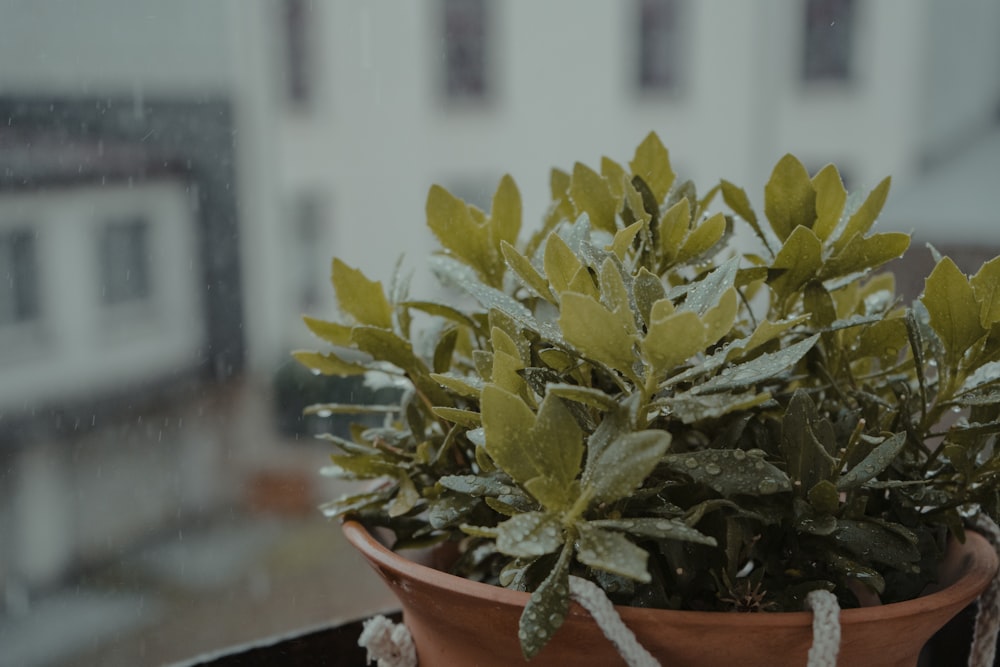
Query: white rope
825, 627
592, 598
984, 636
388, 643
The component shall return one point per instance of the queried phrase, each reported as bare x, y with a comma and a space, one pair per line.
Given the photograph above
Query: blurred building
175, 175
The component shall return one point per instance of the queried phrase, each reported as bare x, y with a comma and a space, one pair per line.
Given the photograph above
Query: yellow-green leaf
615, 176
591, 194
830, 198
597, 332
361, 298
719, 320
466, 418
789, 197
561, 265
862, 254
327, 364
612, 552
703, 237
954, 312
332, 332
986, 287
526, 271
453, 223
799, 259
672, 340
624, 238
865, 216
736, 199
652, 164
505, 214
674, 227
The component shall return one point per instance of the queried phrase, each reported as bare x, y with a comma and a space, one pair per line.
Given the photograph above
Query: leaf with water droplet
759, 369
659, 529
611, 552
874, 463
623, 465
530, 535
546, 608
746, 475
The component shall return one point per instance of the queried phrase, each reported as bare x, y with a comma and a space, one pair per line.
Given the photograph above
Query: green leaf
561, 263
525, 447
406, 498
798, 261
331, 332
352, 466
672, 340
591, 194
736, 199
595, 398
647, 290
731, 471
624, 239
830, 199
547, 608
505, 213
467, 386
865, 216
707, 293
615, 175
359, 297
529, 275
353, 503
823, 496
692, 409
441, 310
872, 465
612, 552
530, 535
986, 288
674, 227
624, 464
467, 418
863, 254
328, 364
789, 197
597, 332
805, 436
875, 542
451, 221
954, 311
703, 238
652, 164
657, 529
758, 369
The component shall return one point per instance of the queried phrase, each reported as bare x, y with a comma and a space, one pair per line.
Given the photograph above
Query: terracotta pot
455, 621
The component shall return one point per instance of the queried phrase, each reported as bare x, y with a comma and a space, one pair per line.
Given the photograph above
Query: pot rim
977, 566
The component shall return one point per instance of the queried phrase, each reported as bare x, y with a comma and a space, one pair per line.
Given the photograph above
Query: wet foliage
630, 396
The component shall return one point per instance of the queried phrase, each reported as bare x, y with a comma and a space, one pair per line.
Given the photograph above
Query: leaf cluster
628, 395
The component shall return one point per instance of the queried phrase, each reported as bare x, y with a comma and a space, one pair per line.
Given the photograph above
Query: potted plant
691, 419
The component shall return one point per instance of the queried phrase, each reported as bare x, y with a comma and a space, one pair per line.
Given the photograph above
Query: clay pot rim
978, 567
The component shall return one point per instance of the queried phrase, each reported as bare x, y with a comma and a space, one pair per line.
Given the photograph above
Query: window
124, 248
659, 45
18, 277
309, 264
465, 44
828, 30
298, 46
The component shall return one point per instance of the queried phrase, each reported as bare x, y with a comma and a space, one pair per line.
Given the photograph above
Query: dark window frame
828, 40
20, 302
466, 34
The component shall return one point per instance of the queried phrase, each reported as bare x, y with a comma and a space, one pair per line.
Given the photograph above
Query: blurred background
175, 176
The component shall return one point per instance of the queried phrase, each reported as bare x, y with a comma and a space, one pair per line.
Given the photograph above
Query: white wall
140, 47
